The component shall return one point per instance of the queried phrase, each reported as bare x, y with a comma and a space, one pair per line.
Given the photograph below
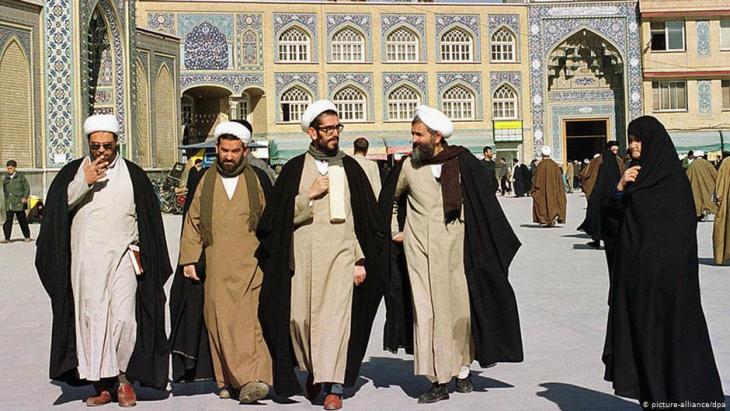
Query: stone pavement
561, 288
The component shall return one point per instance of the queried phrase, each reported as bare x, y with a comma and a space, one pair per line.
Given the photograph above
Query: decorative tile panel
23, 37
512, 21
419, 81
307, 21
471, 80
361, 23
470, 22
282, 82
414, 22
237, 83
162, 22
703, 38
207, 41
59, 75
120, 65
704, 96
497, 78
250, 42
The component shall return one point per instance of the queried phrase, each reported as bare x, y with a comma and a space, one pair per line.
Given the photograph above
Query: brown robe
232, 285
435, 257
548, 193
702, 177
721, 228
569, 175
324, 255
589, 175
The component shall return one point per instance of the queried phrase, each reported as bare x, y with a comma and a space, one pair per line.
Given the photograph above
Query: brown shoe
102, 397
332, 402
312, 390
126, 396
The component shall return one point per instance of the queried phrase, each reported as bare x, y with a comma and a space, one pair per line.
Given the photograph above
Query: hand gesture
320, 186
359, 275
189, 272
629, 177
398, 238
95, 170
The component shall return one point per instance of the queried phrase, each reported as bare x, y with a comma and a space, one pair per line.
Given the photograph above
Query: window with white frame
401, 45
402, 103
725, 34
348, 45
294, 102
456, 46
244, 106
503, 46
504, 102
187, 111
350, 103
458, 103
726, 94
669, 95
294, 45
667, 35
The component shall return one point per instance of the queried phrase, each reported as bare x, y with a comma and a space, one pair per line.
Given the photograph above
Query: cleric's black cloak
275, 234
190, 349
490, 244
150, 358
657, 344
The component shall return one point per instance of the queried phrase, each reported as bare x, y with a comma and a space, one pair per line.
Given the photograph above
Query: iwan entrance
584, 138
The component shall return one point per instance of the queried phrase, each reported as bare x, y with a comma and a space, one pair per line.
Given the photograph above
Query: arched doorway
203, 107
251, 106
585, 81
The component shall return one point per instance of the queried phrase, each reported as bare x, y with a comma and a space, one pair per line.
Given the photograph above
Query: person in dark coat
491, 167
657, 347
526, 173
518, 181
16, 191
102, 258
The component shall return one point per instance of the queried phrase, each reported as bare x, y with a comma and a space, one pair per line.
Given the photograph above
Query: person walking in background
16, 190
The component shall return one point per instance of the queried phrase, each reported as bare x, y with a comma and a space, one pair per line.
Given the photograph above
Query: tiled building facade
687, 70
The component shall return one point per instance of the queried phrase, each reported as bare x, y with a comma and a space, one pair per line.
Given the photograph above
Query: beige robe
435, 258
321, 291
372, 171
102, 278
232, 285
721, 228
702, 178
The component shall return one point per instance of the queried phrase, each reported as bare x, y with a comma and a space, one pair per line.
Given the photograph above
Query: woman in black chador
657, 345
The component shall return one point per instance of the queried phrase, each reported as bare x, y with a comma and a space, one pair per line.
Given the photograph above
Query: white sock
464, 372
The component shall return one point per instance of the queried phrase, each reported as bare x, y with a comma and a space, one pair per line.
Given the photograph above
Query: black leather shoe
437, 392
464, 385
595, 244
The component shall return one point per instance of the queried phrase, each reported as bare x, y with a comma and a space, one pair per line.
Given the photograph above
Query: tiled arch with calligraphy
470, 80
417, 81
616, 22
284, 81
361, 81
416, 23
358, 22
305, 21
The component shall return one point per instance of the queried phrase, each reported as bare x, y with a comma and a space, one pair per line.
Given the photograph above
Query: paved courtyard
561, 286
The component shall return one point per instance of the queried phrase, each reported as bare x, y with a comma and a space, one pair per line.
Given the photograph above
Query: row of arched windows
457, 102
402, 45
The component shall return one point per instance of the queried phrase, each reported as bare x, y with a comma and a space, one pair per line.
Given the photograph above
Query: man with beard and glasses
657, 347
221, 225
451, 294
597, 223
548, 191
102, 257
321, 239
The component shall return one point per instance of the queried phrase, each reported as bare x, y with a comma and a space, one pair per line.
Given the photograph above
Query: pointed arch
165, 109
505, 103
351, 103
504, 45
16, 106
402, 102
348, 44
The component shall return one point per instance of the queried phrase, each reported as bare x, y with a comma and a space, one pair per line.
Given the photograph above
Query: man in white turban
220, 228
102, 258
548, 191
458, 246
320, 239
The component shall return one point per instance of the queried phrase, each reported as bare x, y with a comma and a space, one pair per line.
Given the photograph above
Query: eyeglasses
96, 146
331, 129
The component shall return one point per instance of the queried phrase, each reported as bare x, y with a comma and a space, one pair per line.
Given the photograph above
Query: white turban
699, 153
435, 120
233, 128
101, 122
546, 151
314, 110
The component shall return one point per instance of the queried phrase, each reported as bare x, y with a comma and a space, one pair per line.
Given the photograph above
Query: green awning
705, 140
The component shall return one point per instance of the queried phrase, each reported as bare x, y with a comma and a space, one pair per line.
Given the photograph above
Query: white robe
102, 278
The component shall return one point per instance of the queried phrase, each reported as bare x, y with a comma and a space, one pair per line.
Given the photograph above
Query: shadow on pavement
531, 226
570, 397
578, 235
193, 388
710, 261
385, 372
585, 247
